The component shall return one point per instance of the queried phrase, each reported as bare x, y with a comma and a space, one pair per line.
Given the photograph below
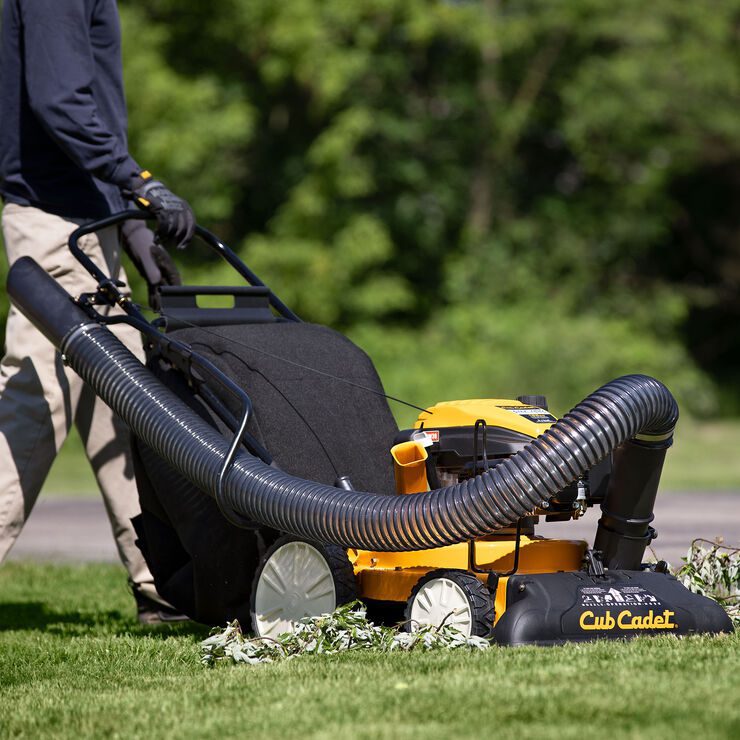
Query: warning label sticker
531, 413
627, 595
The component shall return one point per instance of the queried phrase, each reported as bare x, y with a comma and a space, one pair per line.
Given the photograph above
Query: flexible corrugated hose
619, 411
497, 498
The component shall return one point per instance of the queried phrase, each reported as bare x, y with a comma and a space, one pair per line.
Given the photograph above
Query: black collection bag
313, 424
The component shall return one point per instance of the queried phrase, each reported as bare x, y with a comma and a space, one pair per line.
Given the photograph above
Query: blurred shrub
521, 193
523, 350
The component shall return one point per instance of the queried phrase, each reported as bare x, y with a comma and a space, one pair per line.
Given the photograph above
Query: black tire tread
345, 583
480, 598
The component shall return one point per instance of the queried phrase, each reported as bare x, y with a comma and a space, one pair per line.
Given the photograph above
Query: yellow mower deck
390, 576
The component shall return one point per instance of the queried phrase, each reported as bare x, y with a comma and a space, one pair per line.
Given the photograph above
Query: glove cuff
137, 188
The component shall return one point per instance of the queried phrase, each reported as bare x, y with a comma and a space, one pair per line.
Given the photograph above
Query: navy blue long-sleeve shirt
63, 143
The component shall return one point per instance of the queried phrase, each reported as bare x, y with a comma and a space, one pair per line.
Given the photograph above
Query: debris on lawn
713, 569
347, 628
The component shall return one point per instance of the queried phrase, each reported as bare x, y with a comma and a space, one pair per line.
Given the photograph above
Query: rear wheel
297, 579
451, 597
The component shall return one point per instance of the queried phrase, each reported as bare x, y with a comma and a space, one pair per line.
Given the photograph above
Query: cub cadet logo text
625, 621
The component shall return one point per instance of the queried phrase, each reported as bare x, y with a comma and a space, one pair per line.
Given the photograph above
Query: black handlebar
210, 239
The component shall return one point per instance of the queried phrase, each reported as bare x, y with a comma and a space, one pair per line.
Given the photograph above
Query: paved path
679, 518
67, 529
77, 530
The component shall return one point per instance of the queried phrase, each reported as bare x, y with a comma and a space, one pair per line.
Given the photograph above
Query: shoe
150, 612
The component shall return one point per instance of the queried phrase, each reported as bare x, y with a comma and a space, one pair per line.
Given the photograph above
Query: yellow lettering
606, 622
582, 621
666, 623
652, 621
620, 620
626, 621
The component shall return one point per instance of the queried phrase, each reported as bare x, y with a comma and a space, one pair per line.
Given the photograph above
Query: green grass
71, 474
704, 457
74, 663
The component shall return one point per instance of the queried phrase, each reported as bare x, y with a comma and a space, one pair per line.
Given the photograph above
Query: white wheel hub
295, 582
438, 601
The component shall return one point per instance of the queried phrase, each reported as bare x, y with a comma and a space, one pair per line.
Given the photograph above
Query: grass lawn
74, 663
704, 457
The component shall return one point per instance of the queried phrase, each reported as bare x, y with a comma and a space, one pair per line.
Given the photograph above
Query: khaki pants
40, 398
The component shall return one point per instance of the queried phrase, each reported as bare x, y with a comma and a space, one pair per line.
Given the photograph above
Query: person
64, 161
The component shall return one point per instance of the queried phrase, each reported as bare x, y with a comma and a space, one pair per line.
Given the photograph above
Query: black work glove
175, 219
151, 259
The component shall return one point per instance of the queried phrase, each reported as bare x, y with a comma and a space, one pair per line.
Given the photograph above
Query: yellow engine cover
497, 412
391, 576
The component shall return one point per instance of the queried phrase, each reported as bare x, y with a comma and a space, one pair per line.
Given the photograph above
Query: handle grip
210, 239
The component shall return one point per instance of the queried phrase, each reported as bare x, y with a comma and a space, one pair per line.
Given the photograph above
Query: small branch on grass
714, 571
347, 628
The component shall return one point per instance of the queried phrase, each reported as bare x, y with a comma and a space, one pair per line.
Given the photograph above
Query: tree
478, 185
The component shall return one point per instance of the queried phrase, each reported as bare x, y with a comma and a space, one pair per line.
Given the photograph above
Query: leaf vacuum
275, 483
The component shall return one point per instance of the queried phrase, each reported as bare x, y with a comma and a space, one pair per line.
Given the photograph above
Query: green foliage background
492, 197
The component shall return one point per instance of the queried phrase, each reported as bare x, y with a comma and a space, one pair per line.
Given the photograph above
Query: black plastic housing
553, 608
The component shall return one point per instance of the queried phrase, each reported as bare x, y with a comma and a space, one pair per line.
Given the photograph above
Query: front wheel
451, 597
297, 579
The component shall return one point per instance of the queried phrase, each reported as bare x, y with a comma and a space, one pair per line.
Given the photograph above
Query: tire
452, 597
297, 578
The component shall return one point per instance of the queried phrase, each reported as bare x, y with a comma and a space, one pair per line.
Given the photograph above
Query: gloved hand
151, 259
175, 219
